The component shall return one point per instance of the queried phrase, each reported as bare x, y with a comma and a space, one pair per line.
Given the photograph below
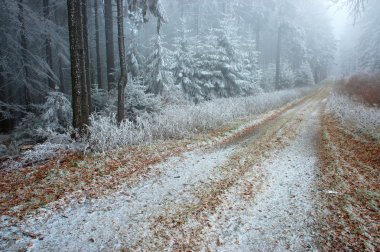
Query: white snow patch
280, 216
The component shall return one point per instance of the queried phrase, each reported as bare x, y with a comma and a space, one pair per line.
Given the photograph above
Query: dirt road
255, 193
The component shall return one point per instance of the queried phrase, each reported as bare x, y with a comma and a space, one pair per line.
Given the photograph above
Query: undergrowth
181, 121
362, 119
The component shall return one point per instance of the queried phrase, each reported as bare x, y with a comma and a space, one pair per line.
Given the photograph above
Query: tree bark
48, 47
83, 65
97, 41
61, 75
73, 7
123, 66
278, 58
86, 54
108, 17
24, 50
78, 71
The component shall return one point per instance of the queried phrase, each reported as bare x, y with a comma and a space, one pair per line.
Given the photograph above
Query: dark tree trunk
78, 71
97, 41
73, 9
24, 50
108, 17
123, 66
83, 67
61, 75
86, 54
278, 59
48, 47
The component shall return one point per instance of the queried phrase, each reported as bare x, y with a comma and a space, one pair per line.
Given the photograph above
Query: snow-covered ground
280, 217
274, 214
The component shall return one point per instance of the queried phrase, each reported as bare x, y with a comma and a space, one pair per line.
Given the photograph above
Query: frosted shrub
268, 78
364, 119
50, 124
138, 101
56, 112
304, 76
54, 116
179, 121
288, 77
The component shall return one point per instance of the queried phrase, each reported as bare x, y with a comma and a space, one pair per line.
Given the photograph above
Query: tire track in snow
182, 228
280, 217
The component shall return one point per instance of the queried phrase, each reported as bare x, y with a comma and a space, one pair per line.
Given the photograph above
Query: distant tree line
110, 55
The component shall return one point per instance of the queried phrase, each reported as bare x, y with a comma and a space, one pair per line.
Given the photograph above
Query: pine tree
99, 70
123, 66
184, 63
108, 17
78, 72
304, 75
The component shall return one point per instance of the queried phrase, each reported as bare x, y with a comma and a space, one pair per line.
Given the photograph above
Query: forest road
254, 194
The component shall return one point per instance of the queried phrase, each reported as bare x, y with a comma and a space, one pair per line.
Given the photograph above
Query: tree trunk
86, 54
78, 71
61, 75
48, 48
97, 41
83, 67
108, 17
123, 66
278, 59
24, 50
73, 14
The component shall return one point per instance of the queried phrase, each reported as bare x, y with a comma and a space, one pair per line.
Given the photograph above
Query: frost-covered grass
180, 121
365, 120
173, 121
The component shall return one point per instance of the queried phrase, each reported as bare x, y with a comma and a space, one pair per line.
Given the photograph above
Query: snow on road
277, 216
123, 218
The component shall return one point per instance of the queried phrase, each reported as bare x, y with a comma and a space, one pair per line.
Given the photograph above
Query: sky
339, 18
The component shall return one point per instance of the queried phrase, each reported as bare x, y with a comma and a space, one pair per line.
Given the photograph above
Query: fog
189, 125
186, 51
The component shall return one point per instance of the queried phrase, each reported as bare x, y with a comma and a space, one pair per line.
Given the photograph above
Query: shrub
181, 120
363, 88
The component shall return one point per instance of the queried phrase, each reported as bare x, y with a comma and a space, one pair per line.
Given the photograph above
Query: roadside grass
350, 189
361, 121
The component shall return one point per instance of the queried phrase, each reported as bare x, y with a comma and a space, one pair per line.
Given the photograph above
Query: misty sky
339, 18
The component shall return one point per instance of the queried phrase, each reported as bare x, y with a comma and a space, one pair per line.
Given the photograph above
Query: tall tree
97, 41
48, 47
286, 12
24, 51
278, 57
108, 17
86, 54
78, 72
123, 66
